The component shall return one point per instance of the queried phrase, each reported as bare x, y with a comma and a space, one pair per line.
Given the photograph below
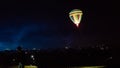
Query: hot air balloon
76, 16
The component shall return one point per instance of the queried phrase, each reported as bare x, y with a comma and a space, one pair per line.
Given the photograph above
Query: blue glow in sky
30, 35
46, 24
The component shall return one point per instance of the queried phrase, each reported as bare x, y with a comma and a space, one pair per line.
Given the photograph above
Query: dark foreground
59, 58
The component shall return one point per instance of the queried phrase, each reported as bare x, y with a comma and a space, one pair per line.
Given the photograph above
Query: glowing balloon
76, 16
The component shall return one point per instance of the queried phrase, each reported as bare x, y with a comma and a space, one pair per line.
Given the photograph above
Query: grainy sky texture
46, 24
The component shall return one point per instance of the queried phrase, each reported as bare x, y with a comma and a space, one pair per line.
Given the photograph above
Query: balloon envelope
76, 16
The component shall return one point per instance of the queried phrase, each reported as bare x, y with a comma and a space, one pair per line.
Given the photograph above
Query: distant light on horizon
66, 47
26, 52
34, 48
32, 56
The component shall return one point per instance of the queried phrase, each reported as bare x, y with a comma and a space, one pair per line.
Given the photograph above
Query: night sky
46, 24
